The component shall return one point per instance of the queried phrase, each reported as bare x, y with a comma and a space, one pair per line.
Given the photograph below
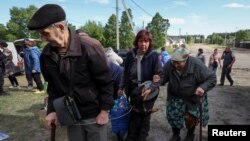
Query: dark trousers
87, 131
1, 80
226, 73
139, 126
13, 80
38, 80
29, 79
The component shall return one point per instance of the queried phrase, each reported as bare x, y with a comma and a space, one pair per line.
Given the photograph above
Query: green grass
19, 116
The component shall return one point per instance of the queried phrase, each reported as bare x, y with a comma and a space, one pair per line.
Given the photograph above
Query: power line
142, 8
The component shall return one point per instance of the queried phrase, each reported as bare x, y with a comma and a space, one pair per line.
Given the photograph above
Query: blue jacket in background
165, 57
116, 73
31, 59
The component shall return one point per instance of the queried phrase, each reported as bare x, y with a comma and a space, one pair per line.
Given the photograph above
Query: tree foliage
126, 31
3, 32
94, 30
158, 28
110, 32
17, 25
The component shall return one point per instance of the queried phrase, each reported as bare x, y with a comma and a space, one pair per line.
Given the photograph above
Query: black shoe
232, 83
220, 84
175, 138
189, 137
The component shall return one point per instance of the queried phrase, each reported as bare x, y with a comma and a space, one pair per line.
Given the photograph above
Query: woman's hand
145, 94
156, 78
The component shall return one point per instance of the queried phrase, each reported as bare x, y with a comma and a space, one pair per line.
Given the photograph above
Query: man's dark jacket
82, 72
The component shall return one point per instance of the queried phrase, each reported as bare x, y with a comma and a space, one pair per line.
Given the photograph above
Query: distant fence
244, 44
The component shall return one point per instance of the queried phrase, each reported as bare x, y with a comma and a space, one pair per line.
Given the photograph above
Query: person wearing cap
188, 80
32, 65
141, 64
228, 58
77, 66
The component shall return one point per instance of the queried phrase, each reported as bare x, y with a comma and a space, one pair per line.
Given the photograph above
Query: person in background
2, 67
201, 56
32, 65
28, 74
164, 57
81, 32
188, 80
113, 56
214, 61
142, 63
77, 66
116, 73
9, 66
228, 58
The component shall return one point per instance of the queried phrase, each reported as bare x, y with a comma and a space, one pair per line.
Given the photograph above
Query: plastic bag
119, 116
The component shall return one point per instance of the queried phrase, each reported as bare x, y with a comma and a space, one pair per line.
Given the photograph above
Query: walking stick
201, 111
53, 132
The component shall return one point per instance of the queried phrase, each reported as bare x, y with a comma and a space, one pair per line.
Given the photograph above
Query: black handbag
66, 107
67, 110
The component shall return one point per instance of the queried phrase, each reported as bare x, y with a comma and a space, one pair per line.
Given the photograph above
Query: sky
187, 17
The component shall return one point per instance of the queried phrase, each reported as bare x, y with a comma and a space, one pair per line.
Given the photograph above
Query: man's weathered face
179, 65
53, 35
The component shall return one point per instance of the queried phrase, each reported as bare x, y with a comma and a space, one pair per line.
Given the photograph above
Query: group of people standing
77, 65
215, 62
30, 55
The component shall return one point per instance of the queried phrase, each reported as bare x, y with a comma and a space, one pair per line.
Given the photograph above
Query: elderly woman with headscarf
188, 80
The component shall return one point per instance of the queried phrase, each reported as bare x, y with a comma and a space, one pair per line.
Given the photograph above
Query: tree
158, 28
110, 32
243, 35
126, 32
94, 30
3, 32
17, 25
71, 27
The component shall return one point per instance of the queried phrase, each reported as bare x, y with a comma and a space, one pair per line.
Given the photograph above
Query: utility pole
117, 27
129, 18
225, 39
235, 37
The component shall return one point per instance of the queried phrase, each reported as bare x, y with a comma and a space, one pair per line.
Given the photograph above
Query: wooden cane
201, 111
53, 132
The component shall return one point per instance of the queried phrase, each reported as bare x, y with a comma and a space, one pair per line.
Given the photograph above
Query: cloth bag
67, 111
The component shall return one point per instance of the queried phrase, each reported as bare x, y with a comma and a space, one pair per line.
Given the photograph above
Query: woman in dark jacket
142, 63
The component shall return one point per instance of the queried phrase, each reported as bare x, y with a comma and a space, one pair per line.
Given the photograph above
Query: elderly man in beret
188, 80
74, 65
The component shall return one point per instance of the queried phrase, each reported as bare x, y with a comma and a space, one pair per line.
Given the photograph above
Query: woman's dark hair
145, 35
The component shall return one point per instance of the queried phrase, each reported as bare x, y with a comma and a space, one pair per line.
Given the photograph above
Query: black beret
45, 16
